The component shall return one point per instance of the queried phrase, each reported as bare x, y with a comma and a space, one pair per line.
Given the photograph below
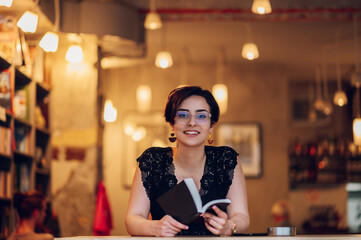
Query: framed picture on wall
245, 139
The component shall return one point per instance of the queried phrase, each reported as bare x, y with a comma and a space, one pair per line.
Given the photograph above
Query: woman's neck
189, 158
25, 226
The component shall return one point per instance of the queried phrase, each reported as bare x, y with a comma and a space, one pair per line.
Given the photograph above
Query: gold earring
210, 139
172, 137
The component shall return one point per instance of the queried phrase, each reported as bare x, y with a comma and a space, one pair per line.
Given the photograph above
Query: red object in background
103, 218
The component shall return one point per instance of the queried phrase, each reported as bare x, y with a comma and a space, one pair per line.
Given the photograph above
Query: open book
184, 203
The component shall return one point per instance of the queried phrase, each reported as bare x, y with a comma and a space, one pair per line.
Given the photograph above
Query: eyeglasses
183, 117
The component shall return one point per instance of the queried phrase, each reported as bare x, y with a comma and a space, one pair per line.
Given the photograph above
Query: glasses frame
192, 115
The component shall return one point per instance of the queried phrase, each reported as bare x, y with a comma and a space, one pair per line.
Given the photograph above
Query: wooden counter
297, 237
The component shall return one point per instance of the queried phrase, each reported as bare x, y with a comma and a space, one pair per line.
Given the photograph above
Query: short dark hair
26, 203
177, 96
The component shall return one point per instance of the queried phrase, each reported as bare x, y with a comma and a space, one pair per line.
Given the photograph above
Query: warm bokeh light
144, 98
49, 42
250, 51
220, 93
340, 98
164, 60
74, 54
357, 131
6, 3
153, 21
28, 22
261, 7
110, 112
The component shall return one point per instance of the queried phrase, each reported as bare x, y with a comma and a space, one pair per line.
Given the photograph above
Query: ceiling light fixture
152, 20
6, 3
261, 7
50, 41
356, 81
164, 58
110, 112
28, 22
74, 54
249, 49
144, 98
220, 90
340, 98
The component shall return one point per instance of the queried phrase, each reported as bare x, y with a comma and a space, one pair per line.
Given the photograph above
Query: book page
194, 192
221, 203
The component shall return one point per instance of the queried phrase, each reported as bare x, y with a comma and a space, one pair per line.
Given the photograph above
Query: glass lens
201, 117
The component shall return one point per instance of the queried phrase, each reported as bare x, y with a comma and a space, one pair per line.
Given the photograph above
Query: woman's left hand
217, 224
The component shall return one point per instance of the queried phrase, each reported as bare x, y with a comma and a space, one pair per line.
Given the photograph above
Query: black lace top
157, 168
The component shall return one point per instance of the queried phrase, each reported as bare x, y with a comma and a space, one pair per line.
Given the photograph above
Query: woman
31, 209
192, 113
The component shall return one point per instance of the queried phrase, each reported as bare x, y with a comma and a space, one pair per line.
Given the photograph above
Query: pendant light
220, 90
340, 98
356, 81
6, 3
50, 41
152, 20
328, 108
164, 58
356, 124
28, 22
249, 49
74, 53
144, 98
261, 7
319, 103
110, 112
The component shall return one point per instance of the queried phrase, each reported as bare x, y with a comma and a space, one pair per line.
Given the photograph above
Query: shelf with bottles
322, 163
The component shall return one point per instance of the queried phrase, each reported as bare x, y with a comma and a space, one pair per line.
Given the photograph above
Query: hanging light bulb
6, 3
110, 112
250, 51
152, 21
220, 93
144, 98
357, 131
164, 60
340, 98
28, 22
74, 54
261, 7
49, 42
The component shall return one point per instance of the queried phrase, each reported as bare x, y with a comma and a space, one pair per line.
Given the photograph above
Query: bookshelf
25, 150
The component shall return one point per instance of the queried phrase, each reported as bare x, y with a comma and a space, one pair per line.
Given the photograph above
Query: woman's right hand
167, 227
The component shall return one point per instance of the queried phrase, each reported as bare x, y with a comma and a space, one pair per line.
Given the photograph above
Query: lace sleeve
152, 164
228, 162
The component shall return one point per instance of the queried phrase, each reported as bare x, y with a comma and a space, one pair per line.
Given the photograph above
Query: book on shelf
22, 140
5, 140
5, 184
6, 89
22, 177
8, 35
184, 203
21, 103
